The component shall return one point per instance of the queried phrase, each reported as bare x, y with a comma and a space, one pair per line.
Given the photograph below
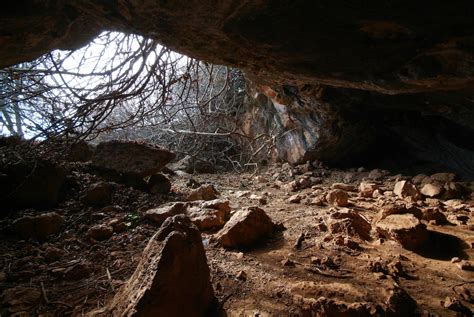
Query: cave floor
278, 277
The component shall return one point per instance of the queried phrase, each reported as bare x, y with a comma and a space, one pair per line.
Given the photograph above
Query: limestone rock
245, 227
172, 278
204, 192
404, 189
366, 189
159, 184
337, 197
39, 226
431, 190
159, 215
406, 229
131, 158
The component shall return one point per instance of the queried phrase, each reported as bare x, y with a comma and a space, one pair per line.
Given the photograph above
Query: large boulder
172, 278
245, 227
131, 158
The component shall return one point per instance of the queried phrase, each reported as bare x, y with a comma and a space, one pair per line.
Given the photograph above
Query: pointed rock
172, 278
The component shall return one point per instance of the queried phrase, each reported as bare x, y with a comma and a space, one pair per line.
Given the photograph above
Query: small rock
433, 214
295, 199
454, 304
159, 184
287, 262
443, 177
367, 189
399, 209
100, 232
404, 189
242, 276
418, 179
217, 204
400, 303
245, 227
159, 215
377, 174
38, 226
431, 190
405, 229
52, 254
118, 225
77, 272
452, 191
260, 199
209, 219
98, 195
465, 265
204, 192
455, 260
337, 197
348, 221
342, 186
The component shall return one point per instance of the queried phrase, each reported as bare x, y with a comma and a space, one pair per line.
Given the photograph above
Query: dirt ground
302, 267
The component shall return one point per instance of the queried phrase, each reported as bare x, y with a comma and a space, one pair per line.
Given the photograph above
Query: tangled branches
128, 87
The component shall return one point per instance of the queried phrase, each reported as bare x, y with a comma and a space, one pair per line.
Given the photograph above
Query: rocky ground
281, 241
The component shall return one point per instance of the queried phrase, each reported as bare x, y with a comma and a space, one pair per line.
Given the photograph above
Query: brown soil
283, 276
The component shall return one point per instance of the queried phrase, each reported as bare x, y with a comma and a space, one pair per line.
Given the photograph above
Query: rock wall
347, 80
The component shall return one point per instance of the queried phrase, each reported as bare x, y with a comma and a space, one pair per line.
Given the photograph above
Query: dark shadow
442, 246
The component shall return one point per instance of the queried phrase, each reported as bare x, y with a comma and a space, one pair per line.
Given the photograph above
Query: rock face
406, 229
172, 278
131, 158
402, 90
245, 227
